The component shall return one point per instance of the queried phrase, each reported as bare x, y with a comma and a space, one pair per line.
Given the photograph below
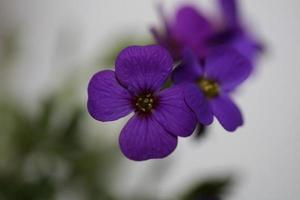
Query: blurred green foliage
42, 158
210, 189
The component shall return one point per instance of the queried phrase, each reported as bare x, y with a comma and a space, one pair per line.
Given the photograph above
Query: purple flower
207, 86
191, 29
232, 32
135, 86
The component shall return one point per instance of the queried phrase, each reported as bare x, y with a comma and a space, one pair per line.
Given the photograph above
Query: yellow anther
144, 103
209, 87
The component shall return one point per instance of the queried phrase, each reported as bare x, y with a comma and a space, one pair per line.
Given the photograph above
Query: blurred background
50, 148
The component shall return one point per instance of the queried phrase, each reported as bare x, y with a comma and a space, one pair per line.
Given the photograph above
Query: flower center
209, 87
144, 103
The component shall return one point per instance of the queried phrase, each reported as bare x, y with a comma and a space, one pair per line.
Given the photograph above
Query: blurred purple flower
159, 116
207, 86
232, 32
191, 29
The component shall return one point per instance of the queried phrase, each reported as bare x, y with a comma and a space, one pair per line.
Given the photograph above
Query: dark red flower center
209, 87
144, 103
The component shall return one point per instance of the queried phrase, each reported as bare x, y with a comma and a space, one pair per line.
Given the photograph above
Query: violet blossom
159, 116
190, 28
207, 86
233, 32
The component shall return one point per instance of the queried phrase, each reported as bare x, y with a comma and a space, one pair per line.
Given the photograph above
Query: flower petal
227, 113
164, 36
107, 99
229, 9
191, 28
173, 114
141, 68
228, 67
161, 35
189, 70
196, 100
247, 46
144, 138
166, 40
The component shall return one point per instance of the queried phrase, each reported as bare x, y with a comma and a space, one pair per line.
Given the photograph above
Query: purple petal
141, 68
247, 46
227, 113
228, 67
173, 114
161, 36
191, 28
107, 99
189, 70
167, 41
196, 100
230, 13
164, 37
144, 138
